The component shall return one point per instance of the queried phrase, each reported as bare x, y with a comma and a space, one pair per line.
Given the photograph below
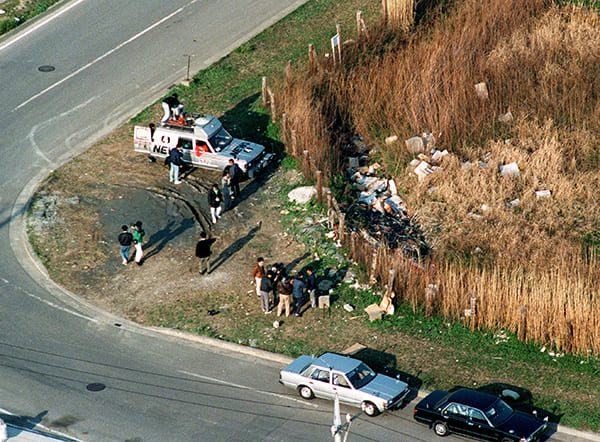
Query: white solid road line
243, 387
39, 25
103, 56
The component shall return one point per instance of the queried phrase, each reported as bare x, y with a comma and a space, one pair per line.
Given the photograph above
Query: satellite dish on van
202, 121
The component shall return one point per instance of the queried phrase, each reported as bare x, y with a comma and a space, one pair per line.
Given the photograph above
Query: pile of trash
380, 213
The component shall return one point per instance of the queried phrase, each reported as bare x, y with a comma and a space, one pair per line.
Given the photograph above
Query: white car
350, 379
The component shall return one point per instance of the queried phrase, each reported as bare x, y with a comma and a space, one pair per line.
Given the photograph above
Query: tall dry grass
400, 12
540, 62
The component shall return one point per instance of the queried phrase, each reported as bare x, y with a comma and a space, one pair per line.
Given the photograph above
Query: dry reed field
541, 63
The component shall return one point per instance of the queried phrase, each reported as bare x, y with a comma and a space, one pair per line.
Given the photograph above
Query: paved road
64, 365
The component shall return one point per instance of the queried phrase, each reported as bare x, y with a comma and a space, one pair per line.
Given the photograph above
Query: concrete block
324, 301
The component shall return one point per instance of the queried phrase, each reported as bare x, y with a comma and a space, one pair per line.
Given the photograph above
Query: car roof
337, 362
472, 398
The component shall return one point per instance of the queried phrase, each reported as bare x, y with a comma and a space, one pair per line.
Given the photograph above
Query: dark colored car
478, 415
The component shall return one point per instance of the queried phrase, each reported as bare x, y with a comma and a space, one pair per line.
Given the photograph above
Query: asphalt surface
68, 79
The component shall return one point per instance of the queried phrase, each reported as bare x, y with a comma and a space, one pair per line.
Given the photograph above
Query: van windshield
220, 140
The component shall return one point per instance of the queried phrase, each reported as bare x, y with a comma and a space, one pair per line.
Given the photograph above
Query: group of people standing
288, 292
127, 238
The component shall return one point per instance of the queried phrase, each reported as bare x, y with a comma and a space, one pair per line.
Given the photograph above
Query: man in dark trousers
266, 286
125, 239
203, 253
311, 287
235, 175
214, 202
298, 286
175, 158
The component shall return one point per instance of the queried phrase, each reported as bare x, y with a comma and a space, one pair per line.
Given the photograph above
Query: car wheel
370, 409
306, 392
440, 429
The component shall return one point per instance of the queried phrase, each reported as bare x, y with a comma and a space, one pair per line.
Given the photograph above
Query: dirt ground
77, 216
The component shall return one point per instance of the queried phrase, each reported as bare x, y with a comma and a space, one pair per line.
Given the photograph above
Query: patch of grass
18, 12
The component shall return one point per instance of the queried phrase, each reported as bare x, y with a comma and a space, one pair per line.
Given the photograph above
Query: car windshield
498, 412
361, 376
220, 140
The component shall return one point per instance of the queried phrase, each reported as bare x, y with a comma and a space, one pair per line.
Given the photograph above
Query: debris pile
379, 213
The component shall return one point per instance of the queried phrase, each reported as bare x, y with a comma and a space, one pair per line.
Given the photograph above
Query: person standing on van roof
172, 108
175, 158
235, 175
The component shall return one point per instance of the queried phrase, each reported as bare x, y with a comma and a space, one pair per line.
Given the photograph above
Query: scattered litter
374, 312
391, 139
212, 312
506, 118
276, 324
437, 156
348, 307
514, 203
510, 170
394, 231
428, 139
474, 215
325, 285
415, 145
424, 169
481, 90
542, 193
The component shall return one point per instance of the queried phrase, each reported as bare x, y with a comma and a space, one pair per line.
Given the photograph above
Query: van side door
186, 148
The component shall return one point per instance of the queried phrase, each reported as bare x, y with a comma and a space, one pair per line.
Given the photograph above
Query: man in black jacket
203, 253
125, 239
235, 176
266, 286
214, 202
175, 158
311, 287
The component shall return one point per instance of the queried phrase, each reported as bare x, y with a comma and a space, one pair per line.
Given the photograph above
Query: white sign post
335, 45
